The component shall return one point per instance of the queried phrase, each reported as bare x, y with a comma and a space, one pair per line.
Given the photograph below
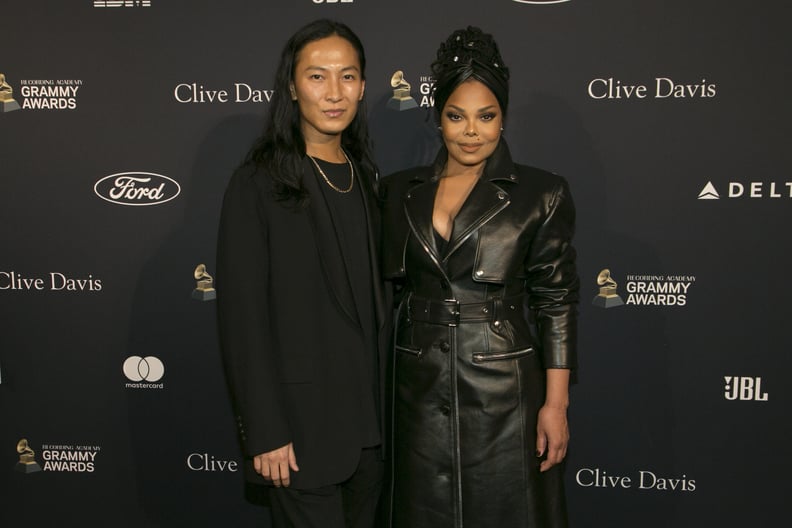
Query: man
300, 308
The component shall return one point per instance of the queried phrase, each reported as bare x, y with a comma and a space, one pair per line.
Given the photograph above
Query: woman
300, 312
485, 335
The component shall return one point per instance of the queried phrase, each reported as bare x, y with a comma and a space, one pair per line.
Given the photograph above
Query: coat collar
485, 201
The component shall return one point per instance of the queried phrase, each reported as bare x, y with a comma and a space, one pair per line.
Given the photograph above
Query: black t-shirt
351, 226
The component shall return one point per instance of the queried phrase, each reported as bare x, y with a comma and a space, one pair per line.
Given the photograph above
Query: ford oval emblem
137, 188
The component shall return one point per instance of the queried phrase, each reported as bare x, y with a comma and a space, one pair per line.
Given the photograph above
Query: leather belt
452, 312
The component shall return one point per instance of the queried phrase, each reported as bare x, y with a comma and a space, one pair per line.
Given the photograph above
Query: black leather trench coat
475, 330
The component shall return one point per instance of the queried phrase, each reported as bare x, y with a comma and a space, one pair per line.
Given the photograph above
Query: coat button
501, 195
445, 347
445, 409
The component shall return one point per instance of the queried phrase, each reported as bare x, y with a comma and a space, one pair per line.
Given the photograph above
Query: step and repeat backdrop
121, 124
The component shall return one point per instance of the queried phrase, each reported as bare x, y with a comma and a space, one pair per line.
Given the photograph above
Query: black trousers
349, 504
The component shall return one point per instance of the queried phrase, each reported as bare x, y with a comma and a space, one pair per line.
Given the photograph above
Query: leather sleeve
247, 343
553, 281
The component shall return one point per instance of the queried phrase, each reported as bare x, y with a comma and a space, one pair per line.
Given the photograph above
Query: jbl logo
744, 388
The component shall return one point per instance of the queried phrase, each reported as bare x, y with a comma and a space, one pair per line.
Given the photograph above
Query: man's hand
275, 465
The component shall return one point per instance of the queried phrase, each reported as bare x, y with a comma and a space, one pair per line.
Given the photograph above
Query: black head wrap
469, 54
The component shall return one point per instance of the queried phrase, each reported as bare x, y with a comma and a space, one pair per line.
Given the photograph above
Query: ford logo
137, 188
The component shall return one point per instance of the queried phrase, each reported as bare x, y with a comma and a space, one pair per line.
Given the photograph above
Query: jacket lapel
484, 202
373, 219
328, 245
418, 207
486, 199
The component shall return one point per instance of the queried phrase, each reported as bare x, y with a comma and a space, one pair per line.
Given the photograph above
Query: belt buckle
454, 311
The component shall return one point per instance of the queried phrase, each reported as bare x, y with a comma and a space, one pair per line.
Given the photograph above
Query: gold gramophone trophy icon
203, 288
401, 100
7, 102
27, 458
608, 296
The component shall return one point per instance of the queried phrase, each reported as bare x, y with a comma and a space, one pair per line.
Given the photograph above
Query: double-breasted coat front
480, 319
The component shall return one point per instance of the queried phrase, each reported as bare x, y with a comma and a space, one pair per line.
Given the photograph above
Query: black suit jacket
286, 318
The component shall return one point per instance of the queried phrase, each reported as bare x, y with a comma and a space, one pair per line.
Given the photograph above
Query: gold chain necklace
327, 180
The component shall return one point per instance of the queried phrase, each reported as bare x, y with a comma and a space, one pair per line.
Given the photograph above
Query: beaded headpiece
469, 54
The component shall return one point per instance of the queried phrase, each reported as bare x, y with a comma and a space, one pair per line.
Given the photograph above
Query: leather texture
467, 391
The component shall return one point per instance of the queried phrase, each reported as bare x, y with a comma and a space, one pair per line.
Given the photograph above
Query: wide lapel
486, 199
418, 207
330, 258
482, 204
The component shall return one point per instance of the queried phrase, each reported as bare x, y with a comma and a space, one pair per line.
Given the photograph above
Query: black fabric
293, 346
347, 212
442, 243
469, 372
350, 504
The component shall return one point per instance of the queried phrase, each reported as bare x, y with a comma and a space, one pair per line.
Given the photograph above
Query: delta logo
747, 190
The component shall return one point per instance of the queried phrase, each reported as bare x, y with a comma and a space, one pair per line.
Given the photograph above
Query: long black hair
281, 148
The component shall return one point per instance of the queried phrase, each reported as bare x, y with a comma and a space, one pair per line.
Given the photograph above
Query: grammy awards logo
27, 458
401, 99
608, 296
7, 102
203, 288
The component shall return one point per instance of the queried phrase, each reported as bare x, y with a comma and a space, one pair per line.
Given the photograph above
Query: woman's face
327, 86
471, 124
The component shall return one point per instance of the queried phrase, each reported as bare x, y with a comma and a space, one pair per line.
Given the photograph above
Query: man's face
328, 85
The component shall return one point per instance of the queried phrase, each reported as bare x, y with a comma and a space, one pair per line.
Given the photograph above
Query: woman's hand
552, 435
552, 429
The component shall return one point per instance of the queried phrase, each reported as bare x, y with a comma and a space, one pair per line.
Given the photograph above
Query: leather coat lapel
418, 207
484, 202
328, 245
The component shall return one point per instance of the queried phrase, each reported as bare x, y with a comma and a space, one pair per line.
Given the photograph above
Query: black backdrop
671, 120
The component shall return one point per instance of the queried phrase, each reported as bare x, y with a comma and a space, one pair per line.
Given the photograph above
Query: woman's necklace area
327, 180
